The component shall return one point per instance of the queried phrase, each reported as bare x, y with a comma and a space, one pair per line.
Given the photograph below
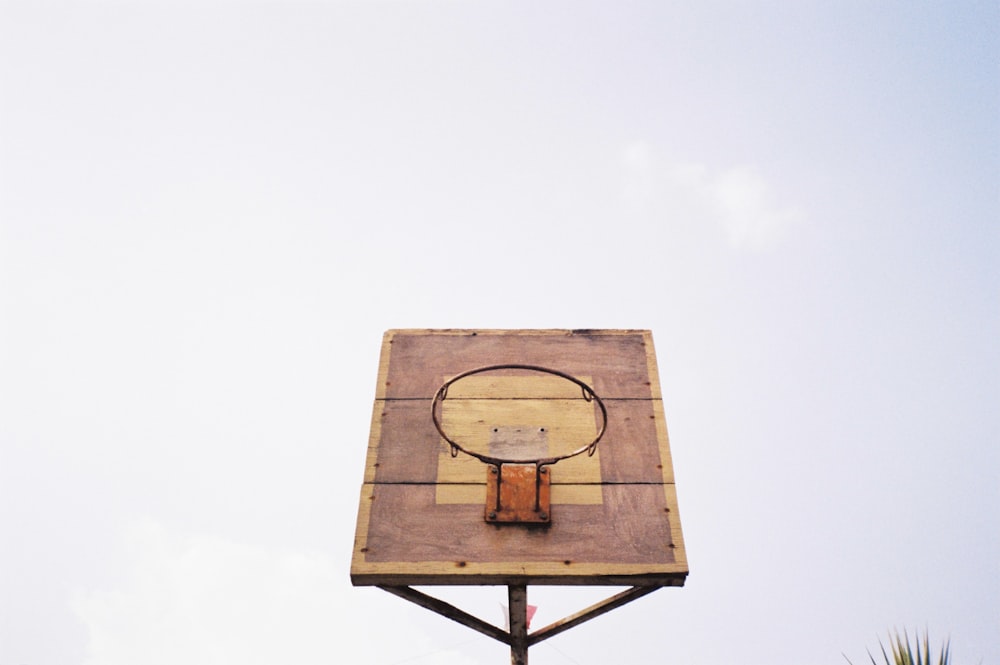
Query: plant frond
901, 650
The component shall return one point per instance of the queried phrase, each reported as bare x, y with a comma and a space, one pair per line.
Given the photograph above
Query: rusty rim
588, 395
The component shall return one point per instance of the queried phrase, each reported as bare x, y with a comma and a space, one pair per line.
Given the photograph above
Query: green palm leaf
902, 651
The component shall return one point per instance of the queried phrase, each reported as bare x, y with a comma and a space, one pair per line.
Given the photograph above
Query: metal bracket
518, 494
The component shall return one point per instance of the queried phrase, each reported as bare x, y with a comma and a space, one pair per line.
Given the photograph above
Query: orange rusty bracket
518, 493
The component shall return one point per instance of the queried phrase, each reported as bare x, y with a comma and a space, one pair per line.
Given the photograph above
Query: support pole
517, 602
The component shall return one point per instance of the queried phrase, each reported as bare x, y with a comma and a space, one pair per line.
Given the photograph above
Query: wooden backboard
614, 517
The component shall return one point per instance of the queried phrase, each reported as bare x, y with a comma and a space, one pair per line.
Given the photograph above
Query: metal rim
588, 395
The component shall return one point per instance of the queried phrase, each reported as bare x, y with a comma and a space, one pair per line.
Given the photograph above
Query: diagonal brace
517, 598
589, 613
450, 611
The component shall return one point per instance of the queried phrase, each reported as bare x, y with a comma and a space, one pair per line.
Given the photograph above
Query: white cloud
748, 213
738, 200
205, 600
638, 186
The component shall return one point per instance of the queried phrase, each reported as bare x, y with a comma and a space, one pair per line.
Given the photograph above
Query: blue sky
210, 212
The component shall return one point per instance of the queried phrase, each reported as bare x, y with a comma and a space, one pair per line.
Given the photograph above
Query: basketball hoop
518, 488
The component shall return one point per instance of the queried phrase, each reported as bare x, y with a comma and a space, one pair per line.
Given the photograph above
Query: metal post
517, 602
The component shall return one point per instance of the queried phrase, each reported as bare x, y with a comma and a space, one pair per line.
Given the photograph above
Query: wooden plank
422, 360
516, 384
589, 613
567, 424
475, 494
631, 525
505, 574
676, 534
405, 446
383, 364
374, 442
652, 371
448, 610
517, 608
665, 462
584, 545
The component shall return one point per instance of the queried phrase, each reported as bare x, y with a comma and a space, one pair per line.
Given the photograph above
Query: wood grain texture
421, 360
404, 445
614, 516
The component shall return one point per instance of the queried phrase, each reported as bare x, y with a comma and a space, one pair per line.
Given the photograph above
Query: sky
211, 211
